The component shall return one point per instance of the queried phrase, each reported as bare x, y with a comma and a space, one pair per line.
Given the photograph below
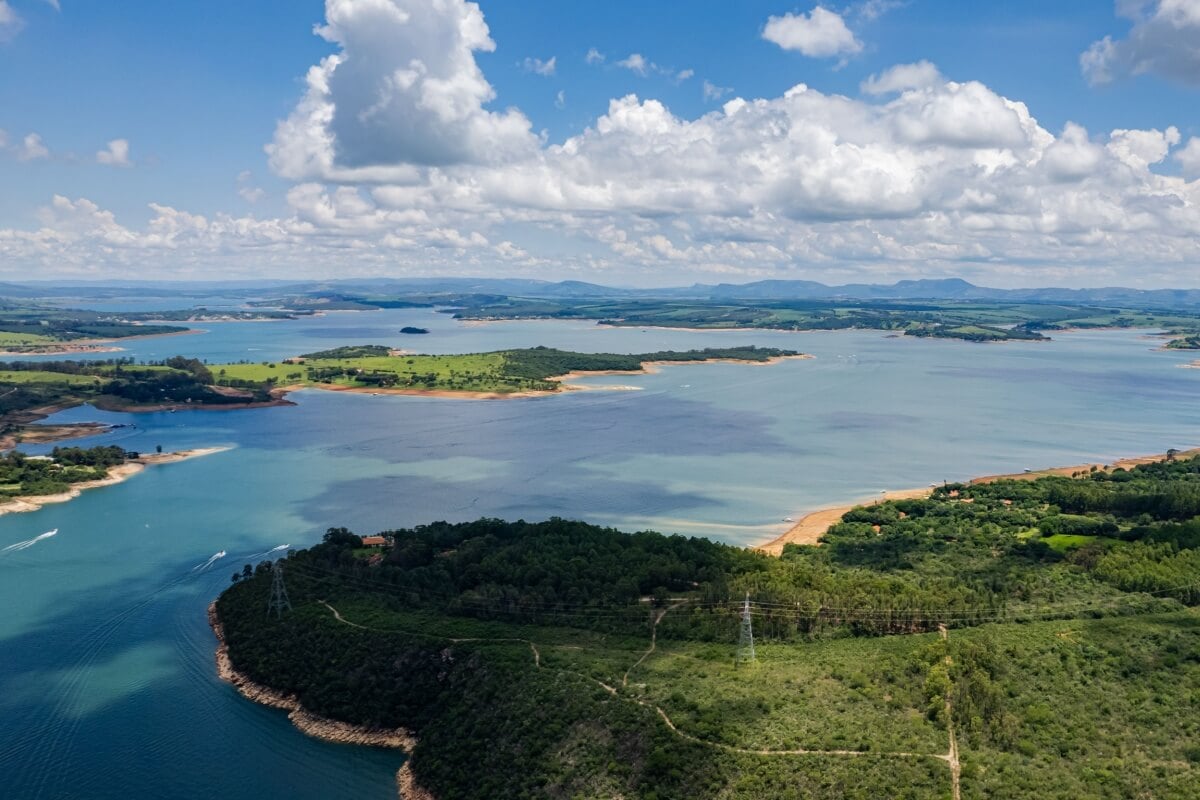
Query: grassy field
36, 376
471, 372
16, 339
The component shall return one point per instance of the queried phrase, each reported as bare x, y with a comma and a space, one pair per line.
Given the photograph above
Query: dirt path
653, 643
952, 754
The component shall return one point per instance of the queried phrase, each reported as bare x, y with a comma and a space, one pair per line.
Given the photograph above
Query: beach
813, 525
117, 474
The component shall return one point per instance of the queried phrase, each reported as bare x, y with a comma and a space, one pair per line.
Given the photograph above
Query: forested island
1014, 639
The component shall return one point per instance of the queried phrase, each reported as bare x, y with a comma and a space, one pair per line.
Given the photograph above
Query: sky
619, 142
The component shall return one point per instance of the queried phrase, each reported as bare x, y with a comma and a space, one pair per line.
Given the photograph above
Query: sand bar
813, 525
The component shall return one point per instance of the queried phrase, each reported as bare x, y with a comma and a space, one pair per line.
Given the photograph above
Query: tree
342, 537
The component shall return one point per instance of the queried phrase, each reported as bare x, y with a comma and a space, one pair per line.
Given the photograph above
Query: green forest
22, 475
1048, 626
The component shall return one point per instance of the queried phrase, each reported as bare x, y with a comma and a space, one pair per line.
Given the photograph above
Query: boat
788, 519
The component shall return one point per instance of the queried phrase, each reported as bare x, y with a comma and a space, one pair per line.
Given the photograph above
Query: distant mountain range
768, 290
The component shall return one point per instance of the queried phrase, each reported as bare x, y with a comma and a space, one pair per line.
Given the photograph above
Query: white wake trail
29, 542
214, 558
253, 556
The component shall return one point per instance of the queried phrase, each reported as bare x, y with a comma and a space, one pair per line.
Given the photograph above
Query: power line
279, 601
745, 651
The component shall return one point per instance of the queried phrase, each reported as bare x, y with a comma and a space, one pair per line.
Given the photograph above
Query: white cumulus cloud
539, 67
901, 77
1164, 39
115, 154
635, 62
1188, 157
400, 164
403, 92
820, 33
32, 148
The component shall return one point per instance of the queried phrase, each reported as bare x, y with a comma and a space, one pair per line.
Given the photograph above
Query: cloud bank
401, 164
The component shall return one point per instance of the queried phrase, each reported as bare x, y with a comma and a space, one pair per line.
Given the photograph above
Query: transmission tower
745, 651
279, 599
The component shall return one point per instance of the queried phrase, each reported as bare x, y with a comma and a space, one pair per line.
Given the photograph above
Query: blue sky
193, 93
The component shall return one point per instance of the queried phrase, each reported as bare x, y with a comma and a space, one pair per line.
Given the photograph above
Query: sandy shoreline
44, 434
62, 350
329, 730
655, 367
813, 525
117, 474
92, 345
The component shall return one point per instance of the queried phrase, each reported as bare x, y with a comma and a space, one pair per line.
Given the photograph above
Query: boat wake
25, 545
214, 558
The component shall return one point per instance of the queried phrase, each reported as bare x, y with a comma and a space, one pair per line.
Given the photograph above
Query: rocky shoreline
310, 724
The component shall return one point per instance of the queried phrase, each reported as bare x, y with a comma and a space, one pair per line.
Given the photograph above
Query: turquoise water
107, 687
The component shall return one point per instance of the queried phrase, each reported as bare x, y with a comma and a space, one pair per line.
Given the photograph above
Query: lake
107, 684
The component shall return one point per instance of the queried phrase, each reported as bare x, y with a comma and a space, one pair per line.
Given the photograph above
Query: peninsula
29, 391
969, 643
27, 483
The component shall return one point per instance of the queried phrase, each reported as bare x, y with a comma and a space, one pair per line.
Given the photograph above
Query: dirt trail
952, 754
653, 643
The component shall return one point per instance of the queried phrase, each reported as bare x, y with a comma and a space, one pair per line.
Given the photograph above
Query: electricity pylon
279, 599
745, 651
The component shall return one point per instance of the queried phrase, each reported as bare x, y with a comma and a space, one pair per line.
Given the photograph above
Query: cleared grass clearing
469, 372
32, 376
16, 339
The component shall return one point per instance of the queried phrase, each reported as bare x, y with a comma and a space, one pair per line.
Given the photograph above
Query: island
1013, 638
27, 483
409, 329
